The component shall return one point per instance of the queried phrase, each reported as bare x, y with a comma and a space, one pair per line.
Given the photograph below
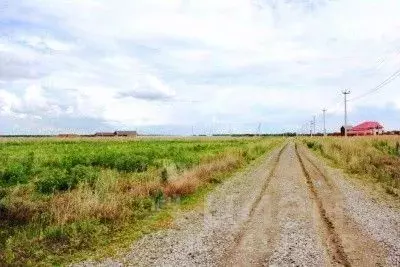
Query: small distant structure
392, 133
366, 128
117, 134
344, 129
126, 133
67, 135
104, 134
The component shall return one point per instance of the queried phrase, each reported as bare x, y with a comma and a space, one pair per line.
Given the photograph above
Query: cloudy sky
173, 66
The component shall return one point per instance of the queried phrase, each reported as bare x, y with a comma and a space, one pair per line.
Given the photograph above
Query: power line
381, 61
388, 80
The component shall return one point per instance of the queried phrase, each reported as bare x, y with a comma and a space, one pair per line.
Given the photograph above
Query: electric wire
387, 81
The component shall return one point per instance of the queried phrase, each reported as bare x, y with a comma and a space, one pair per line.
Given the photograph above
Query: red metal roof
368, 125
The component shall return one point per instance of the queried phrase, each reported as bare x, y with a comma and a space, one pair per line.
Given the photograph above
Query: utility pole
311, 128
324, 112
314, 125
345, 93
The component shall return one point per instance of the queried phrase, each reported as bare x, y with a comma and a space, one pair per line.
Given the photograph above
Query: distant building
67, 135
344, 129
104, 134
366, 128
393, 133
126, 133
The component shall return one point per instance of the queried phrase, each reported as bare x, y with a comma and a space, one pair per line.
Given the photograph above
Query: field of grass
61, 197
371, 159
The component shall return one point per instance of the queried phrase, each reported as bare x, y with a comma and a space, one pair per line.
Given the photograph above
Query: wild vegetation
58, 197
375, 159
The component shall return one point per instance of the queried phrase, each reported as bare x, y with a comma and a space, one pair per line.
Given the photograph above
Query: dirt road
287, 210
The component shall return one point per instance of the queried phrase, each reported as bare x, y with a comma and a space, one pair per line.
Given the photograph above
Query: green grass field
60, 197
371, 159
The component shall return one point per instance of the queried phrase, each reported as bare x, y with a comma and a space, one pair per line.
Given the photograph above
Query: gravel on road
287, 209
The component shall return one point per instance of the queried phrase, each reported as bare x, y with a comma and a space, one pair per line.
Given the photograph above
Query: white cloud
46, 43
169, 62
32, 103
8, 101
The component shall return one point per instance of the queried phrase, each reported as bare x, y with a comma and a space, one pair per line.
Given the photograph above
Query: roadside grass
370, 159
62, 201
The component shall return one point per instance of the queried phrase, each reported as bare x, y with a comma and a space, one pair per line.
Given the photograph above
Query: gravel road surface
288, 209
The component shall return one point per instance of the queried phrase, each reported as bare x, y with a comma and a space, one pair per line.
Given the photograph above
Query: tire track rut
260, 196
281, 231
360, 247
336, 250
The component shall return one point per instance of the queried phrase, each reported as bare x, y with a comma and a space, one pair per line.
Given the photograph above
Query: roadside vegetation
375, 159
61, 197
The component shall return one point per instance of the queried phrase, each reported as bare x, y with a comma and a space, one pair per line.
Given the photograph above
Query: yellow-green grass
374, 159
63, 200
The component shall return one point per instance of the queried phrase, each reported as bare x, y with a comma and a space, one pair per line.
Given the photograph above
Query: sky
196, 66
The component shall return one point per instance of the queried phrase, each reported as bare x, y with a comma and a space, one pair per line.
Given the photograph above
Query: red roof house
367, 128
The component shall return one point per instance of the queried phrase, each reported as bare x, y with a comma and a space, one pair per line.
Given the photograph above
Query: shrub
76, 235
105, 159
53, 179
20, 209
314, 145
14, 173
70, 161
131, 163
198, 148
81, 234
28, 162
387, 148
140, 207
55, 234
82, 173
158, 196
184, 160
